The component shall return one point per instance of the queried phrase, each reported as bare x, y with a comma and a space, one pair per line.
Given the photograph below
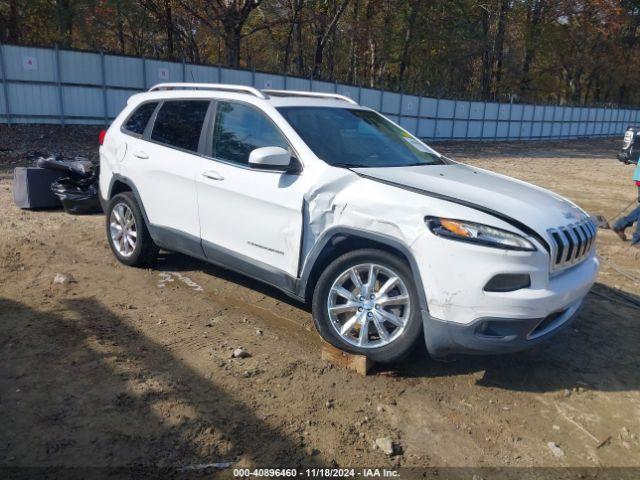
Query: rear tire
379, 320
127, 232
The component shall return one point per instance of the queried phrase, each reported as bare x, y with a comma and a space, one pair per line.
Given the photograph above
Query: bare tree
10, 22
162, 11
407, 41
226, 18
324, 23
505, 6
295, 29
66, 13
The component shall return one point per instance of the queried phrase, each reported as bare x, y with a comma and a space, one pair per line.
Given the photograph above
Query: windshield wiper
349, 165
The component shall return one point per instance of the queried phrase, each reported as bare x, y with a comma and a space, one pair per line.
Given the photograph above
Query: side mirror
271, 158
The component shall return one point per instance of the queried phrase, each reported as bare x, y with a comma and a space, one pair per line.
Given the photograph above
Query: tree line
560, 51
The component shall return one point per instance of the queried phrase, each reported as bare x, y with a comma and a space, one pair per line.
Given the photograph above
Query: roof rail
210, 86
294, 93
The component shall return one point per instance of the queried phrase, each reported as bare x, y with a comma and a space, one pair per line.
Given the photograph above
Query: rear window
137, 122
179, 123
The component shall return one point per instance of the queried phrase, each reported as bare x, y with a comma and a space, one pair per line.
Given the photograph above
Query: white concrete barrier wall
40, 85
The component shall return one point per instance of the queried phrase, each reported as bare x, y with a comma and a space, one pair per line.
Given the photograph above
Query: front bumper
463, 318
494, 335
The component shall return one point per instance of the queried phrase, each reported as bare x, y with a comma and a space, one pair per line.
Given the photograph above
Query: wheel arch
339, 240
118, 186
121, 184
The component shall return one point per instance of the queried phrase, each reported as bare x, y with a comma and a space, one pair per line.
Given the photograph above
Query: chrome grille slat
583, 240
565, 246
594, 231
593, 235
571, 244
575, 243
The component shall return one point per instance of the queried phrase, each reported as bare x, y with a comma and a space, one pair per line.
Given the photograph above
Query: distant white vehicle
332, 203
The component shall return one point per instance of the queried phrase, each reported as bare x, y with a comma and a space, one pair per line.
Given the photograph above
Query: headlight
479, 234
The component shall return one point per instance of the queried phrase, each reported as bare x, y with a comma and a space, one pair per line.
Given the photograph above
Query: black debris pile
77, 189
54, 181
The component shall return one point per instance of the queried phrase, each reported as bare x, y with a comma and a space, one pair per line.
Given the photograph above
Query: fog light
508, 282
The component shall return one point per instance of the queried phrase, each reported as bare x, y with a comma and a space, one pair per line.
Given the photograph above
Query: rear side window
179, 123
239, 129
137, 122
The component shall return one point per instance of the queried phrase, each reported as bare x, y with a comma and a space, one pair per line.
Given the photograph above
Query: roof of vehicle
276, 98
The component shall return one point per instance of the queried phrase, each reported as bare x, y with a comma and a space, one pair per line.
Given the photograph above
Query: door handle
212, 175
140, 154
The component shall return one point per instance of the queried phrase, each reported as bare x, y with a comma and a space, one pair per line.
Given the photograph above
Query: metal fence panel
201, 73
390, 103
83, 102
3, 104
409, 106
237, 77
30, 64
326, 87
428, 107
393, 118
492, 111
35, 99
444, 129
446, 109
462, 110
490, 129
40, 85
371, 98
409, 123
502, 130
474, 129
124, 72
157, 71
80, 67
116, 101
349, 91
476, 110
267, 81
426, 127
294, 83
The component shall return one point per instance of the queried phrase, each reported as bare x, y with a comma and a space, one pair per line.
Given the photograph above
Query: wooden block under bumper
358, 363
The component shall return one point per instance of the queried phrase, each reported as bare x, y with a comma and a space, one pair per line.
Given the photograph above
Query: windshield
357, 138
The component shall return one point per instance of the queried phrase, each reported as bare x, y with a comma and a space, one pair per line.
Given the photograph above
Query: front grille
571, 244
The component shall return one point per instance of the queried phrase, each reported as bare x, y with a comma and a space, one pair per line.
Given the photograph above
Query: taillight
101, 136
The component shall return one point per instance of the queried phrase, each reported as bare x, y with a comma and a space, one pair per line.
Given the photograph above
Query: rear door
254, 215
163, 166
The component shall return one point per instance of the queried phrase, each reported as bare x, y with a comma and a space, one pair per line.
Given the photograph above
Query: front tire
366, 302
127, 232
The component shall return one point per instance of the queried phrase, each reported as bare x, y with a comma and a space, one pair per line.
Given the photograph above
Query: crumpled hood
535, 207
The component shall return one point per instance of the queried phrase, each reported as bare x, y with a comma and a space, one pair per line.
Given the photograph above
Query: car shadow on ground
597, 352
104, 394
177, 262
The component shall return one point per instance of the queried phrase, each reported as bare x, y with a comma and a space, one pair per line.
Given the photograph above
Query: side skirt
257, 270
181, 242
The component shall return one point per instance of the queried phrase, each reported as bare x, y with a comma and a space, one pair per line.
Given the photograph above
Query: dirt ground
125, 366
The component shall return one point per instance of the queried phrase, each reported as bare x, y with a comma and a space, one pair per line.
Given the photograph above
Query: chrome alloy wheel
369, 306
122, 227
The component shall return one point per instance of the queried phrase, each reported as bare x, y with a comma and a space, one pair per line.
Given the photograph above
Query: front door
252, 216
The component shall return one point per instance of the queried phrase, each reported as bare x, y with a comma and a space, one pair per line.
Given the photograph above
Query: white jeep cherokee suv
332, 203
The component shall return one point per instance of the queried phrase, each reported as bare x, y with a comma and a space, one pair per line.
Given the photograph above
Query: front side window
179, 123
137, 122
240, 129
357, 138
